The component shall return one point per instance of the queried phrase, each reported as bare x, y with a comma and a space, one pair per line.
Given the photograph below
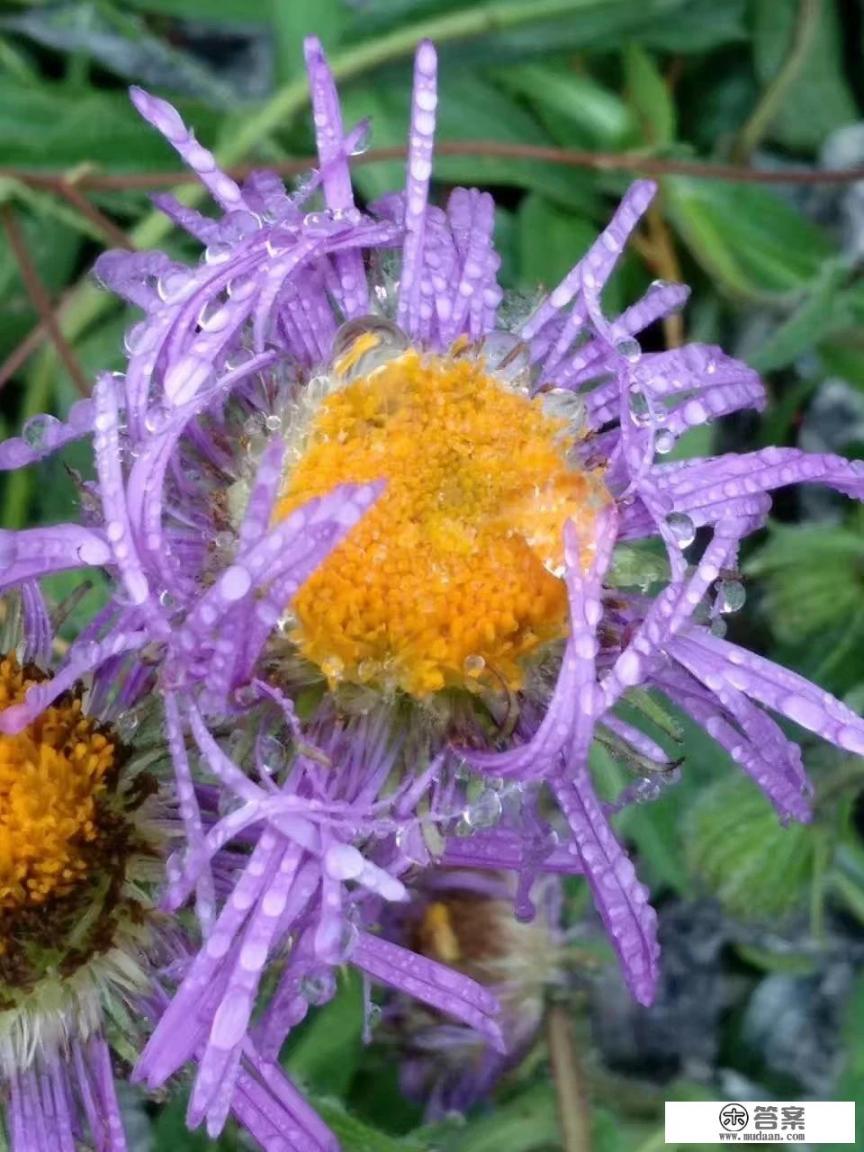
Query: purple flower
362, 540
87, 819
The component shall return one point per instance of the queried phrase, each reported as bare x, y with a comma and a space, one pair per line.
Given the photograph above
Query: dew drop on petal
731, 595
562, 404
217, 253
629, 349
235, 582
664, 441
237, 225
507, 358
94, 552
362, 138
681, 528
640, 408
364, 344
40, 431
318, 987
173, 285
485, 811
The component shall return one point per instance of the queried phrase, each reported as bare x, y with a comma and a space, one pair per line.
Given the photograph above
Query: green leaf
576, 109
122, 43
356, 1136
755, 244
527, 1122
649, 97
216, 11
327, 1050
819, 100
824, 310
812, 578
293, 22
735, 844
43, 127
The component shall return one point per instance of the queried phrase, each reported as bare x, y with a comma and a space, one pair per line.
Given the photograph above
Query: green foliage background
776, 279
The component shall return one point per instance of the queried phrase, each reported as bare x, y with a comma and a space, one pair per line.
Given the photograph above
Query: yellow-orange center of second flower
454, 576
52, 775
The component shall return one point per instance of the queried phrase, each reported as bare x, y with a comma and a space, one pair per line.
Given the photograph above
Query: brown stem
567, 157
114, 235
665, 263
573, 1112
40, 299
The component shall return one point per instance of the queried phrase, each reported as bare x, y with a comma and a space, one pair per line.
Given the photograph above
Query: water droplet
473, 664
318, 223
237, 225
361, 138
718, 627
562, 404
280, 241
332, 667
273, 423
217, 253
40, 431
304, 187
361, 346
507, 357
373, 1015
167, 600
213, 316
664, 441
173, 285
731, 595
135, 338
681, 528
240, 287
640, 408
485, 811
272, 754
318, 987
629, 349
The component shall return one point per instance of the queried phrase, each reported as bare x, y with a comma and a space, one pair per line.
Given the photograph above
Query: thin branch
665, 263
771, 100
40, 299
570, 1094
112, 233
633, 162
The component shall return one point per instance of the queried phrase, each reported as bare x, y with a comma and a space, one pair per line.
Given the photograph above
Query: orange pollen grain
454, 576
51, 777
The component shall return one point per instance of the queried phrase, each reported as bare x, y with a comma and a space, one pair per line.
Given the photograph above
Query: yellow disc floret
454, 576
51, 778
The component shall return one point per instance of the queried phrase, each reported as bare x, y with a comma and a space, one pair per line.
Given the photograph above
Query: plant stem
573, 1112
750, 136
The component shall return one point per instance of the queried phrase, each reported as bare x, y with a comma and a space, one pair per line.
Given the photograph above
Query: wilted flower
465, 919
360, 540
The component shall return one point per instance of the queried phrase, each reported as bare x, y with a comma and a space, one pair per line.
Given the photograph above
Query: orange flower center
51, 778
455, 575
